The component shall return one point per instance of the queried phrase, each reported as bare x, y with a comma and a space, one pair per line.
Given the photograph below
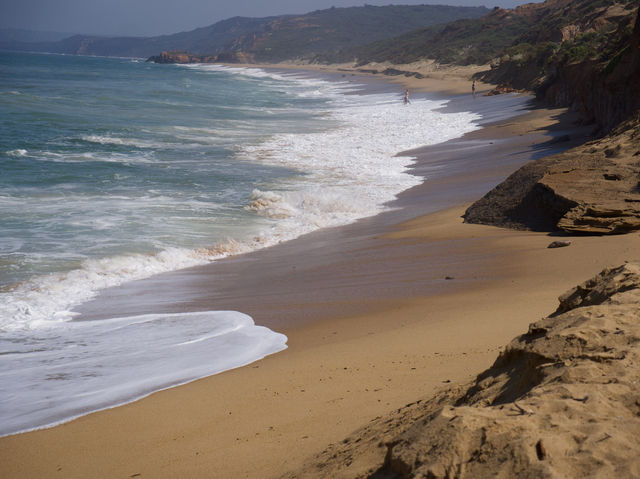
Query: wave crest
17, 153
270, 204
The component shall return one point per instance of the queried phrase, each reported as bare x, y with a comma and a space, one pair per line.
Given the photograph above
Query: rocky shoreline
562, 400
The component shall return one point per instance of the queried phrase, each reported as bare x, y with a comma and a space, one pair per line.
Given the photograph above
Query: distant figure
406, 97
473, 88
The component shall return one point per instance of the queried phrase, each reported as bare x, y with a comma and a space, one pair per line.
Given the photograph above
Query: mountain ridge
268, 38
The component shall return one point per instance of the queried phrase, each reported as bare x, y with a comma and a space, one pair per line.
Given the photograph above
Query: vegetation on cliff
580, 54
467, 41
549, 32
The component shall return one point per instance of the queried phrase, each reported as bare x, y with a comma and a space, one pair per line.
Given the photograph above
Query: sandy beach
378, 314
424, 75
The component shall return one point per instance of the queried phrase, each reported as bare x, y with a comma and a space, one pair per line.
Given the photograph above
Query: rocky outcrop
562, 400
175, 57
591, 189
185, 57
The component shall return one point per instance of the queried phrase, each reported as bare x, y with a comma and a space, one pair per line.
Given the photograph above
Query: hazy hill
337, 28
211, 39
30, 36
270, 38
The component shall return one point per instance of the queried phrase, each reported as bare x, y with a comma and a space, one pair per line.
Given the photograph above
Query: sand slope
562, 400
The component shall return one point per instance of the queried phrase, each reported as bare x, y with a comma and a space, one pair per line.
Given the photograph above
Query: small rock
448, 278
540, 450
612, 152
559, 244
612, 177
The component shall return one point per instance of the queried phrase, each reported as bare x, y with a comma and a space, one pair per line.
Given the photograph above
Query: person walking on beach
473, 88
406, 97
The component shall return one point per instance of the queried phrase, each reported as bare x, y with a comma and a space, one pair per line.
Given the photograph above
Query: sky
157, 17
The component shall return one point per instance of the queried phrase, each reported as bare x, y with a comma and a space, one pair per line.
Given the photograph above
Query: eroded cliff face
562, 400
591, 189
603, 95
591, 65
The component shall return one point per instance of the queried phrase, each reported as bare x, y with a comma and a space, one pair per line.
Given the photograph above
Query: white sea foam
135, 142
50, 297
17, 153
110, 140
244, 71
91, 365
91, 156
351, 171
296, 83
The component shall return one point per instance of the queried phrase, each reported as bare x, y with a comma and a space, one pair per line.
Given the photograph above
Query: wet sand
378, 314
338, 272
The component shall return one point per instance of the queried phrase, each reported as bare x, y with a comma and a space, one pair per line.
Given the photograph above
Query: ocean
114, 170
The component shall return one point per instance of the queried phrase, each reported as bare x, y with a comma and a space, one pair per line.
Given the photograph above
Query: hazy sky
156, 17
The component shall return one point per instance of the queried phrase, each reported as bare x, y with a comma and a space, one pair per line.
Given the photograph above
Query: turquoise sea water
95, 150
114, 169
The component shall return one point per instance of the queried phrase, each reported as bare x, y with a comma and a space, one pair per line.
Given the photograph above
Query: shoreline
422, 76
319, 247
329, 381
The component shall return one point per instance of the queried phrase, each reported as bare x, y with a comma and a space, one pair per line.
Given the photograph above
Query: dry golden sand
262, 420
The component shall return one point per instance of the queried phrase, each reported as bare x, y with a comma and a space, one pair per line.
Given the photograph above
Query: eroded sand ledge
562, 400
590, 189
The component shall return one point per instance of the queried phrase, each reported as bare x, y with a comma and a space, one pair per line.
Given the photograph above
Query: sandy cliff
562, 400
604, 95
